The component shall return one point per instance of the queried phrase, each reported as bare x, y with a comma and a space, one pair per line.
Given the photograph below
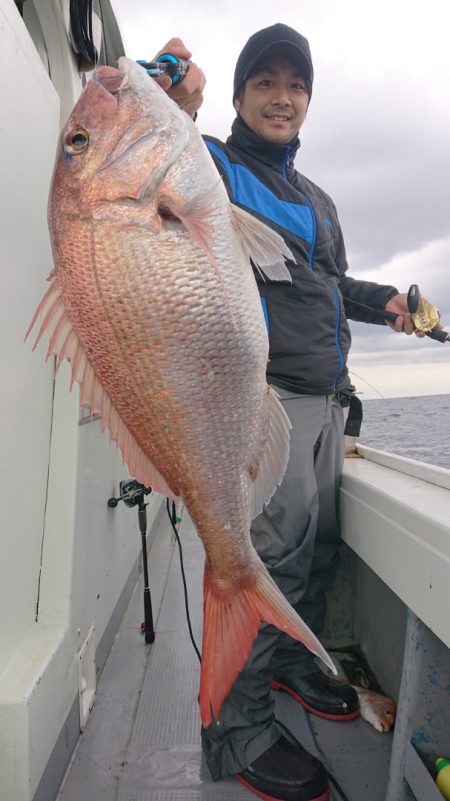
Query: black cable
81, 29
337, 786
173, 520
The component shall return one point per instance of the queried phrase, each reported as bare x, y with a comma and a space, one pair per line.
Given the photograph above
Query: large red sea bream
154, 303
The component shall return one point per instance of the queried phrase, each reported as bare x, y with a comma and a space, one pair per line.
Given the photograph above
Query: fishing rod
425, 316
132, 494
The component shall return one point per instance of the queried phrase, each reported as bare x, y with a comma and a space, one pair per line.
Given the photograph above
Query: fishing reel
425, 316
131, 493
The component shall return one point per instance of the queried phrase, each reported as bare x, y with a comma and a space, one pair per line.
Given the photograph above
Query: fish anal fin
267, 475
65, 344
230, 626
263, 246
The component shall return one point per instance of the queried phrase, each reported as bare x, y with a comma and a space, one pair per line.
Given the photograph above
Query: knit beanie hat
280, 40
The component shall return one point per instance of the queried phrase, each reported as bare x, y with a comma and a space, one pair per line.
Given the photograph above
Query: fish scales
184, 404
152, 271
209, 378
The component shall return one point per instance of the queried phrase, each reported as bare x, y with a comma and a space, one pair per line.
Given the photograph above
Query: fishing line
173, 519
352, 372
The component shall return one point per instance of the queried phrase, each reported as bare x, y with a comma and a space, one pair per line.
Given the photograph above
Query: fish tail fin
231, 623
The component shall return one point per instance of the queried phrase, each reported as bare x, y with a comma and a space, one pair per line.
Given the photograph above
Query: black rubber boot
322, 695
286, 772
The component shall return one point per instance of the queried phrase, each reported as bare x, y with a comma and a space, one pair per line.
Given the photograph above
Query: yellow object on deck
443, 777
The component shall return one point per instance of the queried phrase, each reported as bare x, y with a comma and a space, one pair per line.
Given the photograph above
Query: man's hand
188, 94
399, 305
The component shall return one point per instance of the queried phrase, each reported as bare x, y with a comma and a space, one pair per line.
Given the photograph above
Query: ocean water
417, 427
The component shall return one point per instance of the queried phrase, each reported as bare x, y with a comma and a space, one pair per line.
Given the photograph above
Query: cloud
429, 267
397, 364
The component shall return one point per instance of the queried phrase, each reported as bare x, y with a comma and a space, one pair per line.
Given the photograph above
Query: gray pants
297, 537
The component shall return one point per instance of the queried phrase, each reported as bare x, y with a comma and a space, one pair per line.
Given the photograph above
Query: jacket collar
277, 156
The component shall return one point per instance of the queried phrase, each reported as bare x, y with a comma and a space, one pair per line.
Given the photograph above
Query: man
297, 535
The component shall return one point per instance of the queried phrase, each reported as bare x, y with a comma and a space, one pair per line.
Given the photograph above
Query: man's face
274, 100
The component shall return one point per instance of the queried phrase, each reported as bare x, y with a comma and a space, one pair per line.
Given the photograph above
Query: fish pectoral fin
231, 624
270, 470
194, 216
264, 247
65, 344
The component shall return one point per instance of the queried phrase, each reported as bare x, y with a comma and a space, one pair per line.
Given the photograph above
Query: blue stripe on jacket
248, 191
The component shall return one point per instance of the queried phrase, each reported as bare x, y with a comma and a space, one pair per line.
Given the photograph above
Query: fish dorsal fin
272, 465
266, 249
65, 344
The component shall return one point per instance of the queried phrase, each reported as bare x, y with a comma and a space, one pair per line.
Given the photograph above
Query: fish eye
76, 141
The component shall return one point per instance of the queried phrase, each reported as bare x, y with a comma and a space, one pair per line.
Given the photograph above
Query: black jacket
308, 331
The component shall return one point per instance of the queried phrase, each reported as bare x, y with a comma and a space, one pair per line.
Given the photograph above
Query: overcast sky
377, 139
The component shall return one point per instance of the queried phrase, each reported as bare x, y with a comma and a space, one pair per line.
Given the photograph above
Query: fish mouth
113, 81
110, 78
130, 75
127, 73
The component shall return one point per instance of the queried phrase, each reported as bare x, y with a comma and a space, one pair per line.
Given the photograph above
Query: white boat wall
68, 563
391, 598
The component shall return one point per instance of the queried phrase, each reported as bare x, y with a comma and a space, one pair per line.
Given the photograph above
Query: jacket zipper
308, 203
310, 261
287, 153
336, 336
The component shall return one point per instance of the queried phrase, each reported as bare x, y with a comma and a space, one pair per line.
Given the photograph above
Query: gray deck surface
142, 740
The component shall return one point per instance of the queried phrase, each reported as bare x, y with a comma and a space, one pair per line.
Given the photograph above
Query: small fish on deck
379, 710
376, 708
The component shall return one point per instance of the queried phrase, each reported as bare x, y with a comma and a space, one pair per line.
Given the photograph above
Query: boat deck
142, 740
